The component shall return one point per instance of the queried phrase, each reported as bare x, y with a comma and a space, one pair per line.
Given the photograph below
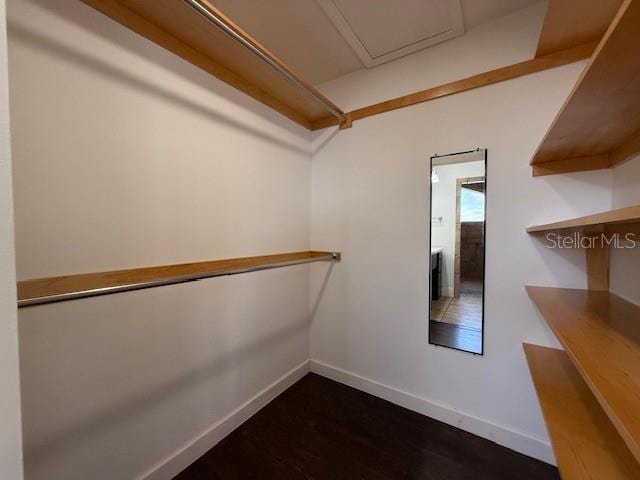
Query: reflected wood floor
456, 336
457, 322
466, 310
320, 429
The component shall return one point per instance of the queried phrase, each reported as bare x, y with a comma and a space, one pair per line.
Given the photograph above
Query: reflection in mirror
458, 200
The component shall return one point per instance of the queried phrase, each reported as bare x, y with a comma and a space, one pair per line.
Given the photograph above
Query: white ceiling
302, 34
420, 19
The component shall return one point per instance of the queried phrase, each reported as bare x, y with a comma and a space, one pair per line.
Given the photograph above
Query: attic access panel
379, 32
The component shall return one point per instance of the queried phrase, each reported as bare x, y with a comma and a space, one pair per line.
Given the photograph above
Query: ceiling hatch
382, 31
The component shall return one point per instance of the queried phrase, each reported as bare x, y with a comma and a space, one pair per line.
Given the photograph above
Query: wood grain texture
622, 228
585, 443
626, 151
568, 165
319, 429
458, 337
603, 111
597, 260
173, 25
45, 287
476, 81
629, 215
601, 334
568, 23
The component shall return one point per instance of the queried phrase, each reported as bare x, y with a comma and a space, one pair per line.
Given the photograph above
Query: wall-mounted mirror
458, 201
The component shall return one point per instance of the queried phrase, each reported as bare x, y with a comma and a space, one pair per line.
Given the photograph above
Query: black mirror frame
484, 257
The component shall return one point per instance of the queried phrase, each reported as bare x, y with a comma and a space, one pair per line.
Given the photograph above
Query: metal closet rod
222, 24
94, 292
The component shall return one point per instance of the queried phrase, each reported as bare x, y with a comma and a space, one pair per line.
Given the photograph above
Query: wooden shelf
599, 124
175, 26
621, 216
570, 23
585, 443
55, 289
601, 335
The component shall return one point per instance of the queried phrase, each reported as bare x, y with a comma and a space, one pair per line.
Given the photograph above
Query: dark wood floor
320, 429
456, 336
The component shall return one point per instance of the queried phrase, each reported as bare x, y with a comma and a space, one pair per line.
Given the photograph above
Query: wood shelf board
627, 215
45, 287
603, 110
178, 28
568, 165
601, 334
568, 23
626, 151
585, 443
491, 77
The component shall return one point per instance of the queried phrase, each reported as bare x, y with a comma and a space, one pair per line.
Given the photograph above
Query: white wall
126, 156
443, 205
10, 434
626, 178
370, 200
624, 263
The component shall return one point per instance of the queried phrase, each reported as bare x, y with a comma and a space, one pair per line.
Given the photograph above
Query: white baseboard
505, 436
190, 452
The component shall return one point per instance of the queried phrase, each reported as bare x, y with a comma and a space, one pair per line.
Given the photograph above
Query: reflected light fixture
434, 177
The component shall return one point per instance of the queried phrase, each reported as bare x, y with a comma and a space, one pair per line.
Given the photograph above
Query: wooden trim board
173, 25
52, 287
458, 230
568, 165
597, 260
625, 215
585, 443
601, 334
527, 67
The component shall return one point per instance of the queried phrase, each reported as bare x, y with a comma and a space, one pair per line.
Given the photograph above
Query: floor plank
466, 310
320, 429
456, 336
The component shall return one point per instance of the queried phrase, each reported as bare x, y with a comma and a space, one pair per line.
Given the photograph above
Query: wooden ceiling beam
509, 72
